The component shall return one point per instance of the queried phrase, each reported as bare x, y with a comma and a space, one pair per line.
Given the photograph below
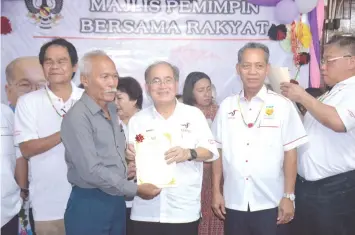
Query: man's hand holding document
276, 76
150, 160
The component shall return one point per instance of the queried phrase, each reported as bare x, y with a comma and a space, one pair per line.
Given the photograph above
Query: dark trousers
144, 228
11, 227
253, 223
325, 207
129, 222
32, 222
93, 212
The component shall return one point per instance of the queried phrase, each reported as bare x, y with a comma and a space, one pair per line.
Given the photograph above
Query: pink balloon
268, 3
286, 11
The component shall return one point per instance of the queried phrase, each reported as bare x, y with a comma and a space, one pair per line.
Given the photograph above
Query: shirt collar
261, 94
348, 81
75, 94
156, 114
94, 107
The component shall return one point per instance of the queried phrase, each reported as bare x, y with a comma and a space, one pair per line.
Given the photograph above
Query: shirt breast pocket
270, 133
188, 139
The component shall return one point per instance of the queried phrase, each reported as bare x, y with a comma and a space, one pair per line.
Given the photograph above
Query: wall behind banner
201, 36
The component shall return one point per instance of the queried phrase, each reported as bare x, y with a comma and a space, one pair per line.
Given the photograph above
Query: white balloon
305, 6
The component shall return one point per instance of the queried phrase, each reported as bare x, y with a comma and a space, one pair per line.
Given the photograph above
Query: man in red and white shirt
326, 184
258, 132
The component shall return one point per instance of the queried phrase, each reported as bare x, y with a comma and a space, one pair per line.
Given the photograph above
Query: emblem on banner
44, 15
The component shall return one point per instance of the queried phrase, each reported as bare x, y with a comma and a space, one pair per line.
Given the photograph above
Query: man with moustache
325, 188
23, 75
258, 132
177, 209
95, 155
38, 118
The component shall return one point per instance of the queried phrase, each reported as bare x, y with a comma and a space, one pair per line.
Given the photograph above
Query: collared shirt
38, 115
188, 129
253, 157
328, 152
95, 149
10, 192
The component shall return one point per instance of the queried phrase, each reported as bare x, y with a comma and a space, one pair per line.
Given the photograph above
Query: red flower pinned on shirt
139, 138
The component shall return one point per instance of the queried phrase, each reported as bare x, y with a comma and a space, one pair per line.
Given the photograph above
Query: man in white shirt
257, 132
10, 192
23, 75
177, 209
38, 118
326, 184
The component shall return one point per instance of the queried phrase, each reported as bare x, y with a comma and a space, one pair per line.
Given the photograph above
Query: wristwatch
290, 196
193, 154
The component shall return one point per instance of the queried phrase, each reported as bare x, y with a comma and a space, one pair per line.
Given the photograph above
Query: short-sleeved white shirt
328, 152
36, 118
253, 157
189, 129
10, 192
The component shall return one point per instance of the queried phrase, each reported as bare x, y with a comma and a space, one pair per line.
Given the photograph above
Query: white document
150, 160
276, 76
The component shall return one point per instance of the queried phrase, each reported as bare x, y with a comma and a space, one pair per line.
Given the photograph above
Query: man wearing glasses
23, 75
325, 188
177, 209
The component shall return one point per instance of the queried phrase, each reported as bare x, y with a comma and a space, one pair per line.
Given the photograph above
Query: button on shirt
10, 192
95, 149
253, 157
38, 115
189, 129
330, 153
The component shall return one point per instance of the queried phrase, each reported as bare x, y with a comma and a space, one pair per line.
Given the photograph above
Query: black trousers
325, 207
11, 227
129, 222
254, 223
144, 228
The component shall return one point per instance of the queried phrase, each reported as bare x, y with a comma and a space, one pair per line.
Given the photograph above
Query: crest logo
44, 15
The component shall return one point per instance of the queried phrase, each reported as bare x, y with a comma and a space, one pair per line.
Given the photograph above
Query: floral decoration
139, 138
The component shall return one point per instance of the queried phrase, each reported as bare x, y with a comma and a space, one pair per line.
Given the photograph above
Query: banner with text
194, 35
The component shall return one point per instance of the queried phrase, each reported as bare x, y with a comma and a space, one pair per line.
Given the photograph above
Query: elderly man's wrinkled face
253, 68
102, 80
26, 76
161, 84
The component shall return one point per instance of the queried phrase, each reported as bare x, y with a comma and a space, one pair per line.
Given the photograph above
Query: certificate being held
150, 160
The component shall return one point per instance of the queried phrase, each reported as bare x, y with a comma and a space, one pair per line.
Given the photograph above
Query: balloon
305, 6
268, 3
286, 11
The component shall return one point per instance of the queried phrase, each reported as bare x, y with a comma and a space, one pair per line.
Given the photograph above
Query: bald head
23, 75
24, 67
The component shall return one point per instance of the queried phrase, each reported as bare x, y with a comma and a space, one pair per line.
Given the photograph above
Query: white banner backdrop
204, 35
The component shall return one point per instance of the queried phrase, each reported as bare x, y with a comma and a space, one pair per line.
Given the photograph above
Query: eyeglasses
159, 82
25, 86
326, 61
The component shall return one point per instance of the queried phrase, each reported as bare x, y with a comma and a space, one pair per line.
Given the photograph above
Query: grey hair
254, 45
343, 41
176, 72
85, 64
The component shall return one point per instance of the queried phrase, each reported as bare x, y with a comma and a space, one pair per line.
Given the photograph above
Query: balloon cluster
286, 11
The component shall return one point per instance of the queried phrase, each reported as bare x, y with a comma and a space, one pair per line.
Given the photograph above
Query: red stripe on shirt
295, 140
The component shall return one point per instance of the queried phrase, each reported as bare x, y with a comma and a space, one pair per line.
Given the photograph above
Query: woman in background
198, 92
129, 99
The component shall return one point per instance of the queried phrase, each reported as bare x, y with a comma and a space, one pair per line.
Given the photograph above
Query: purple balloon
268, 3
286, 11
